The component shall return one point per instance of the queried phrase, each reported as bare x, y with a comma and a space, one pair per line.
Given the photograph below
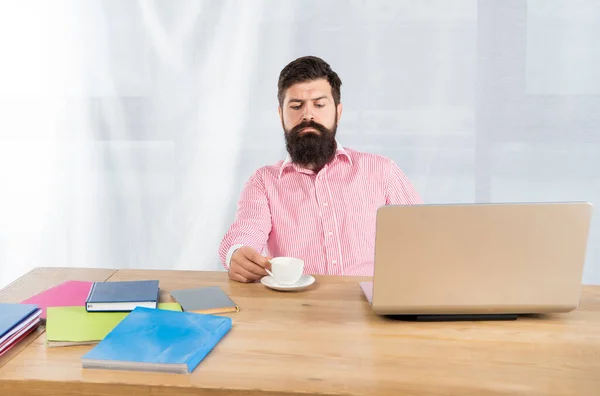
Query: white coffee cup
286, 270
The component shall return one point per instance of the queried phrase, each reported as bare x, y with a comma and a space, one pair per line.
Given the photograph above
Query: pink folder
66, 294
367, 288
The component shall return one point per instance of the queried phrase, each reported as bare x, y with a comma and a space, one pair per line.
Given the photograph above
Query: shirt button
330, 233
324, 203
334, 262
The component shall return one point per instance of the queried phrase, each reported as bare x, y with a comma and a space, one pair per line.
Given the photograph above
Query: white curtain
127, 128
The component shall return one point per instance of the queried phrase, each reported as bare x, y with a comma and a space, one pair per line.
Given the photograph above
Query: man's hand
247, 265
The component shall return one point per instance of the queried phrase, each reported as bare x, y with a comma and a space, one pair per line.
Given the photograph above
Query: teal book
158, 340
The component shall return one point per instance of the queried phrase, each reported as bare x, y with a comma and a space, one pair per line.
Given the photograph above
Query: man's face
309, 117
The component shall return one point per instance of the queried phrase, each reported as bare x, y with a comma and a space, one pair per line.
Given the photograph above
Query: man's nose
308, 115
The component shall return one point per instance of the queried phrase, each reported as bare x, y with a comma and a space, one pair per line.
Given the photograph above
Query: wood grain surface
325, 340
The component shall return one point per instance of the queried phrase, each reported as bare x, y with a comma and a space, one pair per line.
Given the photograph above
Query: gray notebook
207, 299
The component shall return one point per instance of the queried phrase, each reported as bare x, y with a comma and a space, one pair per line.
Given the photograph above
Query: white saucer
303, 282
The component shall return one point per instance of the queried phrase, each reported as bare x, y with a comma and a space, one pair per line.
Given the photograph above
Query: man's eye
296, 107
319, 105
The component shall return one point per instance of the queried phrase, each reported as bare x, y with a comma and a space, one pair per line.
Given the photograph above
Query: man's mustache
309, 124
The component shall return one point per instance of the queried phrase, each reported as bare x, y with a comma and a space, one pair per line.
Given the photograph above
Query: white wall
127, 128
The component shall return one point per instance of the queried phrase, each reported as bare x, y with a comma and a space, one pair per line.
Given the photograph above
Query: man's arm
252, 223
400, 190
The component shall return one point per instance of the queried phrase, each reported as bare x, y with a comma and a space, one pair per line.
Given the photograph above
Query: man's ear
280, 113
339, 111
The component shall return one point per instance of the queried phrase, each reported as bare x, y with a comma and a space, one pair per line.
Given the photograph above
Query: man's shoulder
362, 158
267, 171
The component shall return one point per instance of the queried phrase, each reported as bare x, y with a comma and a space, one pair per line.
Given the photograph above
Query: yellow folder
66, 326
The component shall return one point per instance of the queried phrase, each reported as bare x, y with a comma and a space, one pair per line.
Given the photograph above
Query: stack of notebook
131, 328
16, 321
78, 312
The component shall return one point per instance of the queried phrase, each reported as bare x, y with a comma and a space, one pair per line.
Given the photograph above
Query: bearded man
320, 203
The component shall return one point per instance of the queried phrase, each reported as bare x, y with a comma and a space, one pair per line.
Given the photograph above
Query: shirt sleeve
252, 223
230, 253
400, 190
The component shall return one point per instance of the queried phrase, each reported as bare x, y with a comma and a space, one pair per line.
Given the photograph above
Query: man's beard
310, 148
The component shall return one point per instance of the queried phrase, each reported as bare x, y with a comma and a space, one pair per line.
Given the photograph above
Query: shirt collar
340, 151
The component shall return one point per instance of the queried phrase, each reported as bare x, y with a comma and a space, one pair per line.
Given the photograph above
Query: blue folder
158, 340
12, 315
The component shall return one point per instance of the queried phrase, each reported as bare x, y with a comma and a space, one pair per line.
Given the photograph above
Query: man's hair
308, 68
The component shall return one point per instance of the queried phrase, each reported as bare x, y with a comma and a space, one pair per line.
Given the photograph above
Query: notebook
158, 340
16, 320
66, 294
68, 326
122, 296
18, 337
207, 299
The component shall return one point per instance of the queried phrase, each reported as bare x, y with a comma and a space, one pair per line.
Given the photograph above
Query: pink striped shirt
327, 219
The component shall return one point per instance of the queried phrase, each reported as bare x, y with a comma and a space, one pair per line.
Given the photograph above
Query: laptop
485, 261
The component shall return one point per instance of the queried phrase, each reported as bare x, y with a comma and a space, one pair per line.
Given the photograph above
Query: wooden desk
326, 341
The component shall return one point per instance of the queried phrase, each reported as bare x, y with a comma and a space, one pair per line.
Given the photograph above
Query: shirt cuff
230, 253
